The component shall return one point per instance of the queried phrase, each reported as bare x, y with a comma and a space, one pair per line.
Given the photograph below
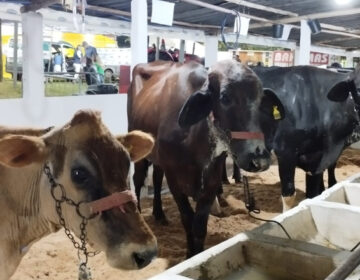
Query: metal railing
64, 84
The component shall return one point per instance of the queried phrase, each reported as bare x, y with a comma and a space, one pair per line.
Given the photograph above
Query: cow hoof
226, 182
288, 202
161, 220
238, 180
222, 201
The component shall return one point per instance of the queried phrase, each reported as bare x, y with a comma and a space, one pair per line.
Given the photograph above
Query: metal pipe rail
344, 270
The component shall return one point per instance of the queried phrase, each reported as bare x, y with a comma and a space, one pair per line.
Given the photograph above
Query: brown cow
84, 167
195, 117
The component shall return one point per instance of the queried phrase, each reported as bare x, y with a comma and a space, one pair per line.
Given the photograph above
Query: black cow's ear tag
276, 113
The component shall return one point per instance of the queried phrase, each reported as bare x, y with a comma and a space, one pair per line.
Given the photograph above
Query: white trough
323, 231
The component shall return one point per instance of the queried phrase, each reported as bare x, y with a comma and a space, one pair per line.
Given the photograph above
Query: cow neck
241, 135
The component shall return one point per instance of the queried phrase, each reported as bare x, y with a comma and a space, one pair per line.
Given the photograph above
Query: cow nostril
144, 258
257, 151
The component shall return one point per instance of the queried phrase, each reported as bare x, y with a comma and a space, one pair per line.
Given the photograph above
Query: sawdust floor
55, 258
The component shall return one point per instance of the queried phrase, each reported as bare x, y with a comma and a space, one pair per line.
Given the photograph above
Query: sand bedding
55, 258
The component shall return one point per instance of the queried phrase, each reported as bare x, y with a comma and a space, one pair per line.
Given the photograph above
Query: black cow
315, 130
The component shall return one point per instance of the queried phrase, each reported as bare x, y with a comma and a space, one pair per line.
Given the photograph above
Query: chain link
81, 247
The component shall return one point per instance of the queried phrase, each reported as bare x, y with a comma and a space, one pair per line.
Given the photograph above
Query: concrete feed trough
322, 230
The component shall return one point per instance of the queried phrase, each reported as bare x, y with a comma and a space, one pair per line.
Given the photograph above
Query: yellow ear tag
276, 113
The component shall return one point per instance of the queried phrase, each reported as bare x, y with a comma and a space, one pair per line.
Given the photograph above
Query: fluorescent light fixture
342, 2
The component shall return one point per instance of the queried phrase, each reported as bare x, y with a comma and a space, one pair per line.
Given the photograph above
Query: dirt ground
55, 258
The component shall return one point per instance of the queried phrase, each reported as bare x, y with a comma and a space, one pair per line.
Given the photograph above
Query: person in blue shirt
90, 51
57, 61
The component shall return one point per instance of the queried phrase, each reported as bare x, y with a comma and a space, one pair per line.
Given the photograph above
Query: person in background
77, 61
57, 62
91, 75
89, 58
100, 69
90, 51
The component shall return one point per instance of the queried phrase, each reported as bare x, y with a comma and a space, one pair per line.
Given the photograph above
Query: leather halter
245, 135
117, 199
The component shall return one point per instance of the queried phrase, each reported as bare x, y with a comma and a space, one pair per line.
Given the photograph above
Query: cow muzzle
131, 256
253, 161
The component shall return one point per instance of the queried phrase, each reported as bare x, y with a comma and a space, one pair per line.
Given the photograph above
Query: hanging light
314, 25
342, 2
277, 30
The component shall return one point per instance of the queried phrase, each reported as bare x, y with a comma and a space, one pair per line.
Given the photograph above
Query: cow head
237, 101
91, 164
346, 90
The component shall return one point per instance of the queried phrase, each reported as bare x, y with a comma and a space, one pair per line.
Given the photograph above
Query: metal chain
250, 206
81, 247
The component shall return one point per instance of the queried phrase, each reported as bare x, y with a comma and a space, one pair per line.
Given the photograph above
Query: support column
211, 50
1, 56
15, 54
138, 32
349, 60
33, 64
157, 54
305, 44
182, 51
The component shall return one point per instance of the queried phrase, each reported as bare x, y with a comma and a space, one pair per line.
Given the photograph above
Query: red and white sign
317, 58
283, 58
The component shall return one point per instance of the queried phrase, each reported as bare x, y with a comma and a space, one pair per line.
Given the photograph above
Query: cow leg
141, 168
211, 181
224, 179
187, 217
331, 175
185, 209
287, 167
314, 185
236, 173
158, 175
9, 258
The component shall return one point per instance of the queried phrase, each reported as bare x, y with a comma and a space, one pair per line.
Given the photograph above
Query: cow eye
225, 99
79, 175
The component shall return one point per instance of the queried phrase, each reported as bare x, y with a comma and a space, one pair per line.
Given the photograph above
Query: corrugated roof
193, 14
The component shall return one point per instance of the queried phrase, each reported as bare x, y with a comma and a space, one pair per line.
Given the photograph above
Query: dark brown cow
194, 118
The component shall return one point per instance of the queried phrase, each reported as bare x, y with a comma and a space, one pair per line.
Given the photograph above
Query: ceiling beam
37, 5
223, 10
336, 13
203, 26
262, 7
123, 13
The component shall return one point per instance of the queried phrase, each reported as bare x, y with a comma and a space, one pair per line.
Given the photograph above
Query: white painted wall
59, 110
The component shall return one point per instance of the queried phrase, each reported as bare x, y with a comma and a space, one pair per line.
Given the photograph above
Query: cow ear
196, 107
271, 105
21, 150
139, 144
340, 91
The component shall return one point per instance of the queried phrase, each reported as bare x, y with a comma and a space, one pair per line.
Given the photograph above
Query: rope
237, 32
250, 206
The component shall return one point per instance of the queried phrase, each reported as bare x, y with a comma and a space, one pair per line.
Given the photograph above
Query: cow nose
142, 259
261, 160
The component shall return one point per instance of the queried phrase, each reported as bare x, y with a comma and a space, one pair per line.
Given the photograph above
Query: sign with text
317, 58
283, 58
